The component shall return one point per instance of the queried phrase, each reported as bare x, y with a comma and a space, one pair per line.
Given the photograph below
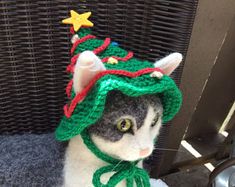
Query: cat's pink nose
144, 152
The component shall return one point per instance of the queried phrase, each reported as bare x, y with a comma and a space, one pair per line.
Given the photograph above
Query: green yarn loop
124, 170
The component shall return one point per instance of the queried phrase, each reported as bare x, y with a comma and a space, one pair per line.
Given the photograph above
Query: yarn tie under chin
123, 170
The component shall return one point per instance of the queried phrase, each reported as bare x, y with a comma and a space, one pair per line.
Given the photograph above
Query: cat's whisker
117, 165
163, 149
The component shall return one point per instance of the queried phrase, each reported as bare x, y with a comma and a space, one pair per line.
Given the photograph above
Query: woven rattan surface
35, 50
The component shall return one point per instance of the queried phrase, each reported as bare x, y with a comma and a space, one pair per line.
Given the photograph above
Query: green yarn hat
80, 115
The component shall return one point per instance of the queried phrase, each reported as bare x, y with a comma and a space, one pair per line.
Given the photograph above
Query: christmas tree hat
100, 66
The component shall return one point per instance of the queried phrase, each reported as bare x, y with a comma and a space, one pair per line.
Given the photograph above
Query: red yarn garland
68, 110
69, 88
99, 49
73, 60
127, 57
81, 40
103, 46
72, 30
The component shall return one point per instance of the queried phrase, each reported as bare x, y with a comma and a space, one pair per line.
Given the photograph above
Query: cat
126, 131
130, 144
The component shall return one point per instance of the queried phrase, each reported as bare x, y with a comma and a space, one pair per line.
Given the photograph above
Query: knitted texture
88, 111
124, 169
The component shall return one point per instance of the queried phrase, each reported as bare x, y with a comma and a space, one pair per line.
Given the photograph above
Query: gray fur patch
118, 105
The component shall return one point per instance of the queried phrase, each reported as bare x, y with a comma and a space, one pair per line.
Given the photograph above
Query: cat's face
128, 126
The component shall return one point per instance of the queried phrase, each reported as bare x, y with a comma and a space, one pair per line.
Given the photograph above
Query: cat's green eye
155, 120
124, 125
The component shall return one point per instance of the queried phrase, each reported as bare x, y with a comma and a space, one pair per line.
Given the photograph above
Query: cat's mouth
136, 155
144, 152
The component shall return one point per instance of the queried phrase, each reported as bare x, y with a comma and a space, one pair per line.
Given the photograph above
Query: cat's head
129, 125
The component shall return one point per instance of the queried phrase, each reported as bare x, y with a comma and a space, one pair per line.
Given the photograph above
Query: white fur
87, 66
80, 163
169, 63
158, 183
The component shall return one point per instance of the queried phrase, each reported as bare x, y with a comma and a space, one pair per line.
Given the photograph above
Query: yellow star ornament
78, 20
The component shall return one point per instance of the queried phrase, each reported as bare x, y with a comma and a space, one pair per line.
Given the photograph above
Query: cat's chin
120, 151
132, 158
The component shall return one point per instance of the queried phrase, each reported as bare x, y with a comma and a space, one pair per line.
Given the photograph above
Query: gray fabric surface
31, 161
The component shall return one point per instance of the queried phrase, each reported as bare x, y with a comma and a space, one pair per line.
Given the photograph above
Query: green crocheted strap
89, 143
124, 170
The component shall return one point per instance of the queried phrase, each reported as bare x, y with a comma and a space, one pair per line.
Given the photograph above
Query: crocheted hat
115, 69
